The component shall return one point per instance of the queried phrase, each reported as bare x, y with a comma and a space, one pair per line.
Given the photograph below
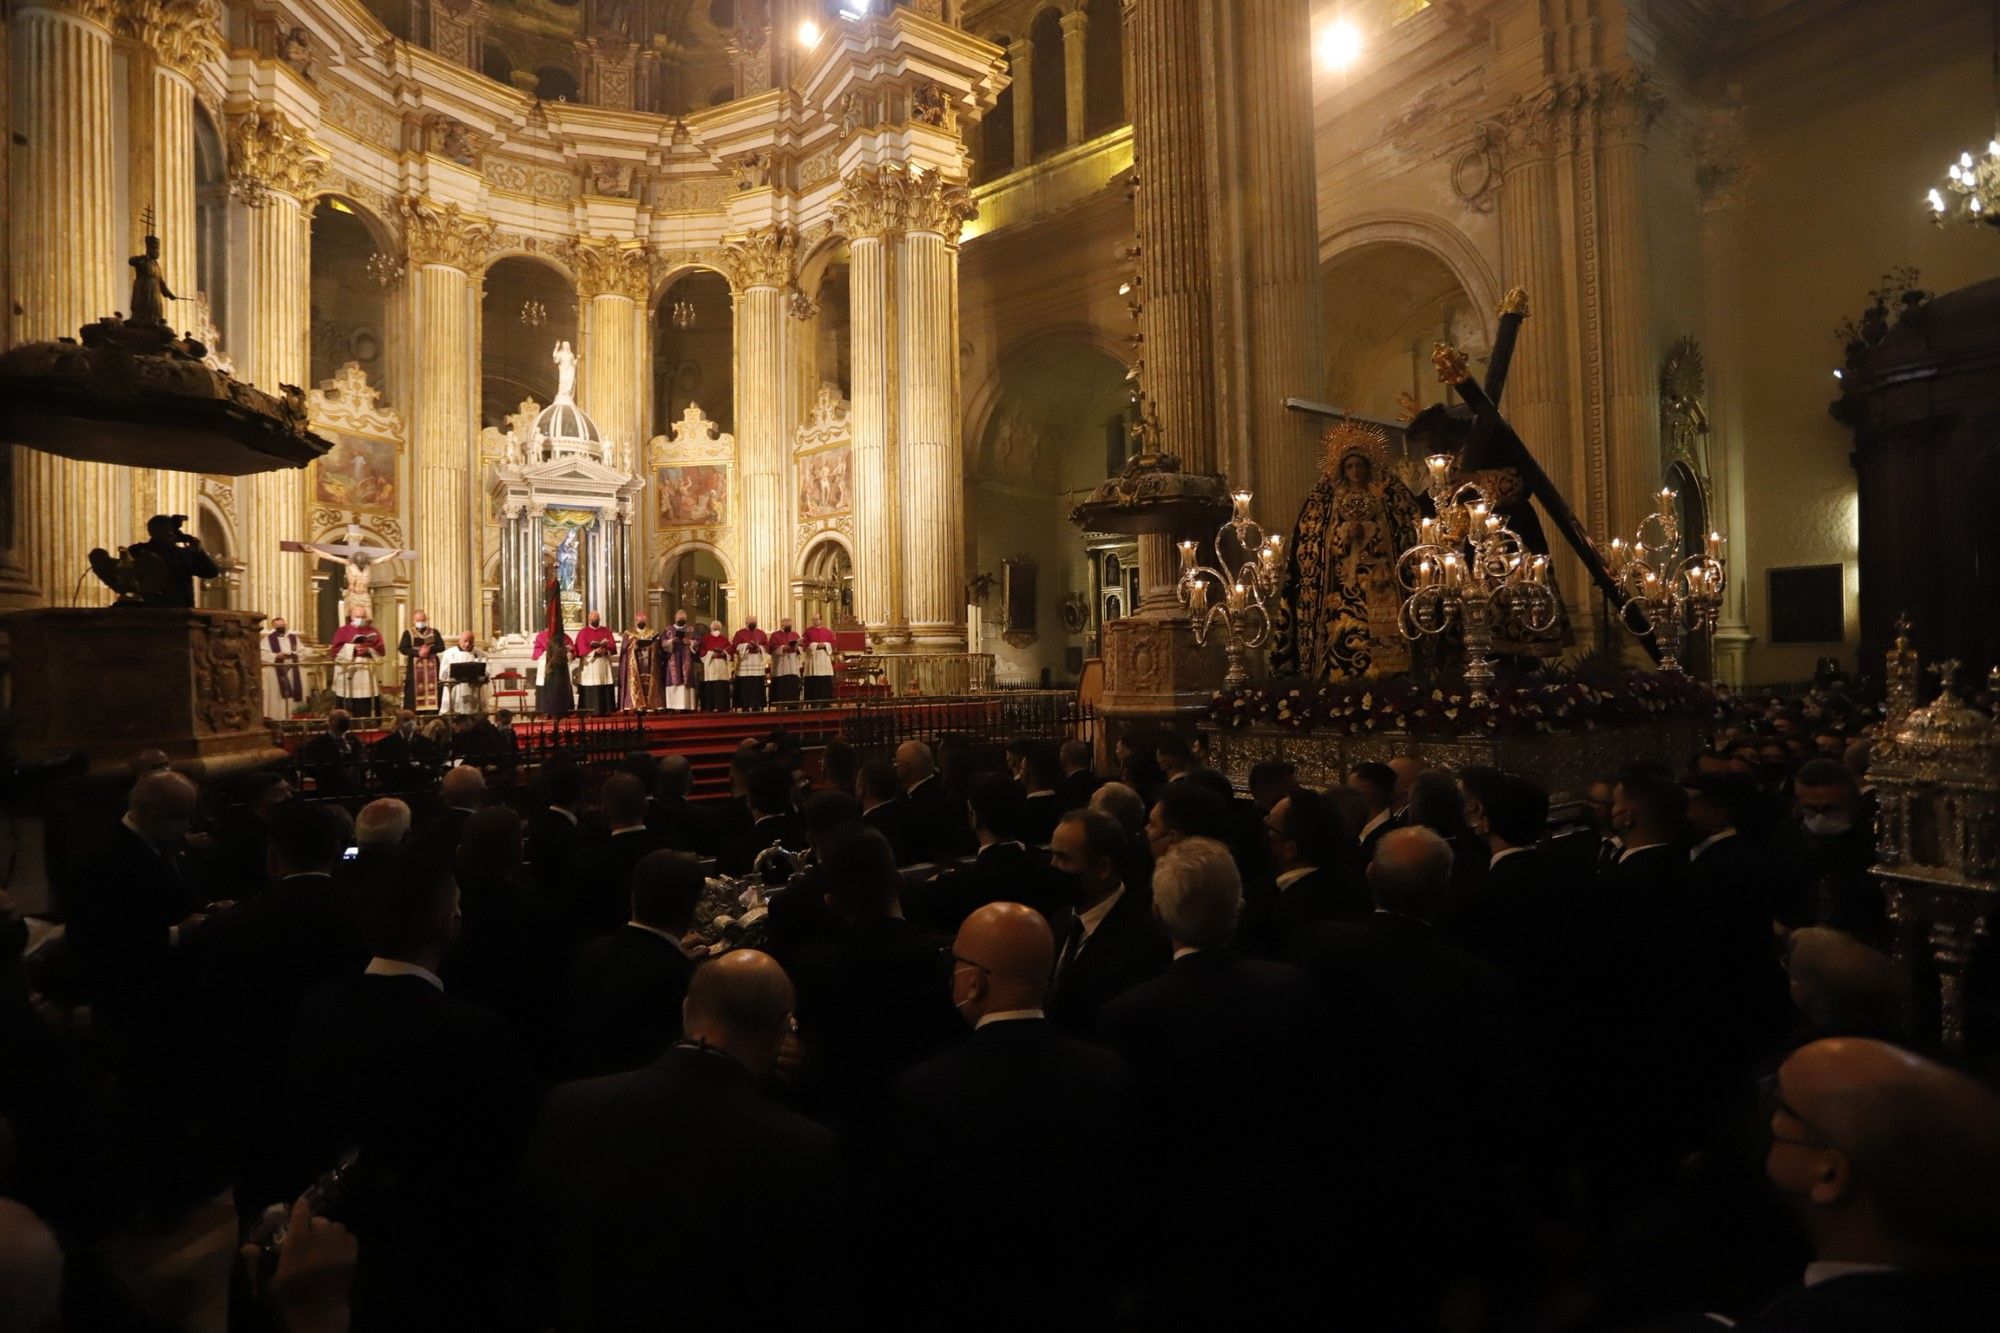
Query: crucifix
359, 558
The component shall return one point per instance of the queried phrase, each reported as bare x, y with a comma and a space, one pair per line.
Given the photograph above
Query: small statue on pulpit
150, 293
159, 571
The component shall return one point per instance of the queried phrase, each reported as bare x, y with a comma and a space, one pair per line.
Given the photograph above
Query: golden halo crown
1354, 437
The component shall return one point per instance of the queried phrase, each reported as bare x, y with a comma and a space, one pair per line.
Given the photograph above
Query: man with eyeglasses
1022, 1137
1892, 1164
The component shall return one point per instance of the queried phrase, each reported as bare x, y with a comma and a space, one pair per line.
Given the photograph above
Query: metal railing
880, 725
923, 675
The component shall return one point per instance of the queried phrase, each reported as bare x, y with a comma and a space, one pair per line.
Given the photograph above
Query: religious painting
824, 483
693, 495
357, 474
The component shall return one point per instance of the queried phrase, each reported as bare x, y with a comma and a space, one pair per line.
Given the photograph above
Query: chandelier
386, 270
534, 314
1245, 573
1469, 567
683, 314
1970, 188
1668, 593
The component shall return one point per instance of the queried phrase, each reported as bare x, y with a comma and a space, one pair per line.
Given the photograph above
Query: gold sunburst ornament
1348, 437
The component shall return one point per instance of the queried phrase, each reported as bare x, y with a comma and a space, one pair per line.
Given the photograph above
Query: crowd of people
1030, 1039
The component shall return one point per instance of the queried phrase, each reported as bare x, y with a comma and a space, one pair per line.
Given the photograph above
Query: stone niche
114, 681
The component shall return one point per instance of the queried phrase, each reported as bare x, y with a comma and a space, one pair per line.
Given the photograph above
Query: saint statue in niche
1342, 602
565, 360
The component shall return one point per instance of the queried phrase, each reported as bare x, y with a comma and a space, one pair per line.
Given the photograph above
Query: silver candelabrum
1669, 593
1232, 593
1469, 566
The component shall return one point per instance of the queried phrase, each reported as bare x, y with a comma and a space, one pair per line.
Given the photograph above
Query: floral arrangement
1532, 705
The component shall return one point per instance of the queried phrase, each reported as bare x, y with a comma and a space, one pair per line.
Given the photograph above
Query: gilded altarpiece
693, 476
361, 481
823, 489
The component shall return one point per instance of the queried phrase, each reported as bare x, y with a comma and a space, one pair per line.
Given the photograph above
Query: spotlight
808, 33
1339, 44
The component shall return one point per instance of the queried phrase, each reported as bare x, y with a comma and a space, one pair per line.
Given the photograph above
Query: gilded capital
181, 34
448, 236
865, 207
881, 202
269, 153
764, 258
606, 268
1515, 302
931, 204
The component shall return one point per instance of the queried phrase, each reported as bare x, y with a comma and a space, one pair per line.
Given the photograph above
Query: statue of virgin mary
1342, 601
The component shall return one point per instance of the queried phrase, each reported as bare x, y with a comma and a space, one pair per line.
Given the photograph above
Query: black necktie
1072, 945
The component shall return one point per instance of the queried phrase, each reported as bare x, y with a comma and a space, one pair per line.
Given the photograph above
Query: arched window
1104, 68
1046, 75
497, 64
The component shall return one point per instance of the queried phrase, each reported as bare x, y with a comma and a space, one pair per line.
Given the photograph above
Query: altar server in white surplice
284, 684
466, 697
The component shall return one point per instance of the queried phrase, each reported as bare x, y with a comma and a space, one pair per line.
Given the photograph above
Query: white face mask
356, 621
1827, 825
423, 624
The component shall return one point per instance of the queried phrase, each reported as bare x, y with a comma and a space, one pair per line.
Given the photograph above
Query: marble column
1076, 102
66, 270
869, 218
1632, 460
1538, 400
613, 282
763, 273
930, 456
446, 247
273, 169
174, 38
1021, 69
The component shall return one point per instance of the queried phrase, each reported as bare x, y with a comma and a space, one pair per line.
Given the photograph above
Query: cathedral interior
864, 302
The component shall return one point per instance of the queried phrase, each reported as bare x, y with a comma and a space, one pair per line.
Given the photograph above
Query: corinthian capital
930, 203
606, 268
1632, 102
764, 258
181, 34
866, 207
448, 236
269, 153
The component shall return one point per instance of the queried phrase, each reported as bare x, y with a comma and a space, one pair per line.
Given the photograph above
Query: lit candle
1198, 596
1427, 531
1236, 597
1714, 545
1666, 498
1617, 561
1187, 555
1242, 499
1493, 522
1541, 569
1440, 466
1426, 573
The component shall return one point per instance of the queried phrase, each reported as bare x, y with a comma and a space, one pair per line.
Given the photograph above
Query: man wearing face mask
596, 651
1111, 941
639, 669
1836, 845
787, 658
753, 665
678, 655
420, 646
284, 690
717, 657
357, 646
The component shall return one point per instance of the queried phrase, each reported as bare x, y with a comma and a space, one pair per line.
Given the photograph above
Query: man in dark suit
1271, 781
936, 823
1377, 784
1892, 1163
883, 807
1426, 1051
1833, 844
511, 950
1003, 870
558, 832
642, 1187
1033, 1124
672, 815
1111, 941
256, 964
772, 821
626, 988
462, 792
405, 760
333, 761
1318, 875
1732, 891
598, 894
1216, 1040
1078, 779
876, 1000
1036, 768
437, 1100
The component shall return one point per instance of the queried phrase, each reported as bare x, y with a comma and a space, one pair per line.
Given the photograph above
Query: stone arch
984, 400
675, 272
541, 256
1451, 246
822, 555
813, 264
1388, 300
666, 559
379, 227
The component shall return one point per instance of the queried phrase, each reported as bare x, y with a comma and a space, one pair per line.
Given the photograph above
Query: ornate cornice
764, 258
181, 34
448, 236
268, 152
104, 12
606, 268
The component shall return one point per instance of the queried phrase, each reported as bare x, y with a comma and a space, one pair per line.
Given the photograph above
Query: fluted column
613, 282
1631, 445
273, 170
66, 271
763, 266
446, 247
175, 36
1021, 68
930, 457
867, 216
1075, 25
1539, 402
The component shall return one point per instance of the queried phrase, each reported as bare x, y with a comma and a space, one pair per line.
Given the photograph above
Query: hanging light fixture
534, 314
683, 314
1970, 188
